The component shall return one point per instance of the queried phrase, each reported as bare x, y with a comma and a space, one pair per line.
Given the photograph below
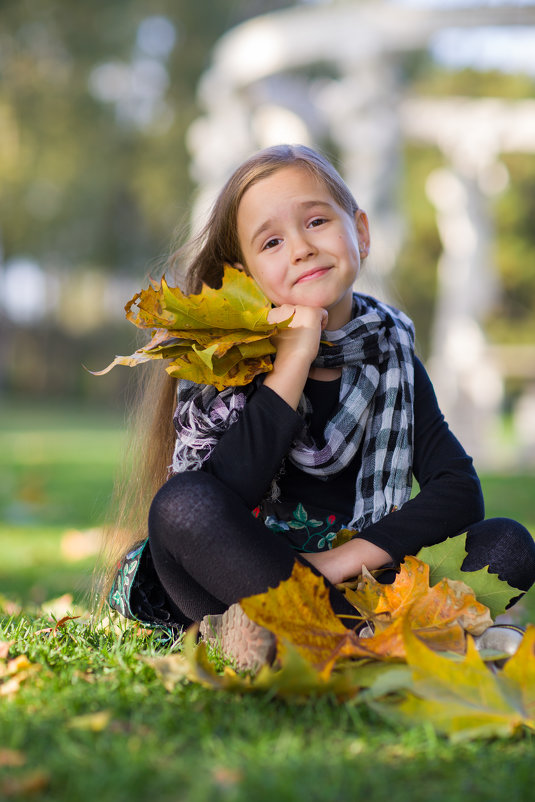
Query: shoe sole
248, 644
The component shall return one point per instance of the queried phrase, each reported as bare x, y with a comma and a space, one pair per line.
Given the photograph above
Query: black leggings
209, 551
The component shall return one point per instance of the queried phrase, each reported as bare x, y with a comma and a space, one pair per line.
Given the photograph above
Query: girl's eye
317, 221
271, 243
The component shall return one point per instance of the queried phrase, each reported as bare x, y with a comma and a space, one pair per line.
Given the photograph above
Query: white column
468, 383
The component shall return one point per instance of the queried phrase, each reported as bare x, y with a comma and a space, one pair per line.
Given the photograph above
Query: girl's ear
363, 232
239, 266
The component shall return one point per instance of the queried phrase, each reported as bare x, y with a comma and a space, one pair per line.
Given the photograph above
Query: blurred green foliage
77, 184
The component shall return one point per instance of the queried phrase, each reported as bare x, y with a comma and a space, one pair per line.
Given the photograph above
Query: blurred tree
94, 103
513, 319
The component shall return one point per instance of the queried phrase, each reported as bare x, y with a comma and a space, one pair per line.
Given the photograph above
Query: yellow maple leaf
217, 336
298, 611
463, 698
520, 669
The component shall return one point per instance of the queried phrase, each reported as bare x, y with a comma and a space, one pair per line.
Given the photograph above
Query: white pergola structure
259, 91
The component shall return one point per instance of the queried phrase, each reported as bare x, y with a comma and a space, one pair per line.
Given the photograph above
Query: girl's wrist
287, 379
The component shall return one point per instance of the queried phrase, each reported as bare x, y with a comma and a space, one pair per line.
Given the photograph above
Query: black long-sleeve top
253, 451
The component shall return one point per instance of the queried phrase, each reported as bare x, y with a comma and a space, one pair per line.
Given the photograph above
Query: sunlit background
120, 120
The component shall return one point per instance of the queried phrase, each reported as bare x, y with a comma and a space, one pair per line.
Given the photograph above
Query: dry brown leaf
31, 782
58, 625
172, 669
438, 615
12, 758
226, 778
4, 648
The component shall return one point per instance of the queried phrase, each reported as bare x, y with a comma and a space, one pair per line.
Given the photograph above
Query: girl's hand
302, 337
297, 347
346, 561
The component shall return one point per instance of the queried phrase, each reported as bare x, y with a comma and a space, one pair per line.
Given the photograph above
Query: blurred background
120, 121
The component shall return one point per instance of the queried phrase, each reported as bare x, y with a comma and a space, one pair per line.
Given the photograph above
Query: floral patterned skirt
136, 592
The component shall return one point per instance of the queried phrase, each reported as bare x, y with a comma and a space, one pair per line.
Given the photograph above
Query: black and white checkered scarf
374, 416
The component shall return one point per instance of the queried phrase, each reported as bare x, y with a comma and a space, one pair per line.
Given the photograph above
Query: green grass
194, 744
191, 744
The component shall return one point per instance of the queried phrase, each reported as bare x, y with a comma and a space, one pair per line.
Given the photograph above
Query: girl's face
299, 245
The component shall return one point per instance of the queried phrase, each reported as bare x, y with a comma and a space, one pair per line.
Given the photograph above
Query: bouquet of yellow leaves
219, 337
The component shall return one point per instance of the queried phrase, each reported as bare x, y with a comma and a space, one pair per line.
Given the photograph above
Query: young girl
266, 474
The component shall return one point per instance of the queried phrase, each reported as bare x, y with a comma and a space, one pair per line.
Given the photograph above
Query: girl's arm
297, 347
250, 454
449, 501
346, 561
450, 497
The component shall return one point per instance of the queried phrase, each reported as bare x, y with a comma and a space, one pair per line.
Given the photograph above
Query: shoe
503, 638
248, 644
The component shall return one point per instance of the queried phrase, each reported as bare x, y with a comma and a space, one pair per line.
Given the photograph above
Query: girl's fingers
280, 313
309, 317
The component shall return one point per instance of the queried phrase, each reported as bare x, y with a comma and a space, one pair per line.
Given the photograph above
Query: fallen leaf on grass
316, 655
5, 645
172, 669
520, 669
95, 722
15, 666
445, 560
463, 698
12, 757
24, 784
14, 673
226, 778
293, 677
58, 625
9, 607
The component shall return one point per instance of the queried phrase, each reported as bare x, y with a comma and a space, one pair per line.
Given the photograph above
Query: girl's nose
302, 248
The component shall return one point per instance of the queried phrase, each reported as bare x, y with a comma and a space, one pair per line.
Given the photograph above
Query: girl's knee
182, 492
506, 546
501, 530
189, 503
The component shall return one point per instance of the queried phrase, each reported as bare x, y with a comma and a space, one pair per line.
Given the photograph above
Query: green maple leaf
445, 560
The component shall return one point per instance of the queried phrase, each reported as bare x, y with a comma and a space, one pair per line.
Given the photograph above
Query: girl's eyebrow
305, 205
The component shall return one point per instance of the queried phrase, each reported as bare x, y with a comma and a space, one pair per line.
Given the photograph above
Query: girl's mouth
316, 272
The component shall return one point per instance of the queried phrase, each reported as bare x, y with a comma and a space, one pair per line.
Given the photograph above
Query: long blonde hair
150, 448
